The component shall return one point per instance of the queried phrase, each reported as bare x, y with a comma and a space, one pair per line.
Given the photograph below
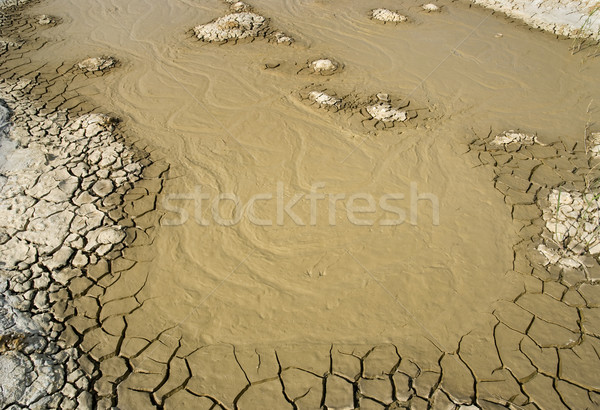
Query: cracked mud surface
571, 18
468, 314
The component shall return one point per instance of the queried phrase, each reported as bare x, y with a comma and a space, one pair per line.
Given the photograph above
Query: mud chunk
323, 99
95, 64
386, 15
232, 26
386, 113
430, 7
324, 65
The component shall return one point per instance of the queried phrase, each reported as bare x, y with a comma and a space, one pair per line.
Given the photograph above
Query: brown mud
324, 316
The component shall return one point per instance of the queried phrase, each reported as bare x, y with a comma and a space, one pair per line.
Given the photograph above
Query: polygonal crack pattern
542, 350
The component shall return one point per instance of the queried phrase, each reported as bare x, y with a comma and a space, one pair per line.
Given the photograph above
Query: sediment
76, 194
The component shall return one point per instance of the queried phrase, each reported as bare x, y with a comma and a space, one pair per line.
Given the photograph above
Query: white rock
59, 258
44, 20
429, 7
94, 64
79, 260
509, 137
282, 38
240, 6
384, 112
323, 99
232, 26
388, 15
324, 64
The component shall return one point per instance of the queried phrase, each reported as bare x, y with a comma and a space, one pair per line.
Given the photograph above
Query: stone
44, 20
386, 15
232, 27
384, 112
94, 64
324, 65
430, 7
507, 137
80, 260
324, 99
59, 259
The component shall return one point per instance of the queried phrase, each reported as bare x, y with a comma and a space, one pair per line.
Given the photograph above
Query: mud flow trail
330, 210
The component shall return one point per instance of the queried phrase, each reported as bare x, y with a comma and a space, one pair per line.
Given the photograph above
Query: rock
324, 65
232, 26
384, 112
80, 260
43, 20
429, 7
95, 64
282, 38
509, 137
240, 6
387, 16
59, 258
323, 99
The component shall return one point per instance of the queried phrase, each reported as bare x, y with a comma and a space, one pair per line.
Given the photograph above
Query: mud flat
493, 305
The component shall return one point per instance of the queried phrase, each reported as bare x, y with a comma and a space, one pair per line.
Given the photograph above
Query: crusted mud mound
379, 111
242, 23
321, 66
232, 26
94, 64
430, 7
387, 16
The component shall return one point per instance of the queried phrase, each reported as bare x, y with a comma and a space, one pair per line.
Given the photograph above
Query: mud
466, 312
